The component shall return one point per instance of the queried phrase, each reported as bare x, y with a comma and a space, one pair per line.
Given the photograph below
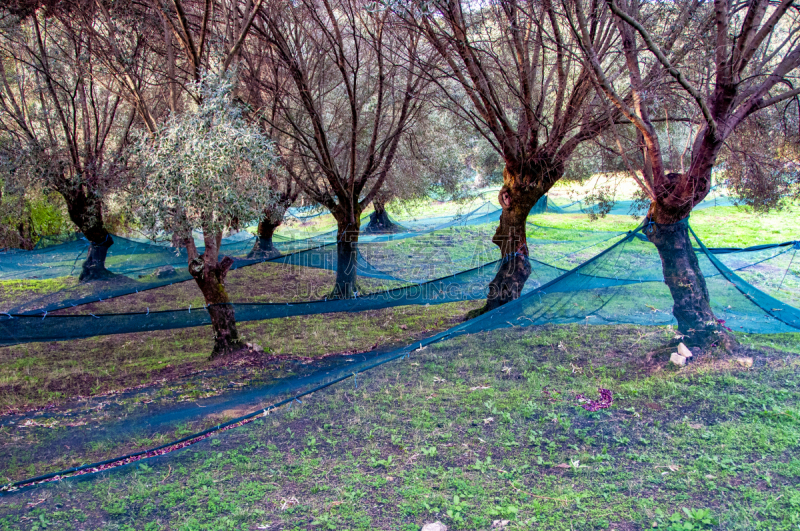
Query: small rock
165, 272
435, 526
684, 351
500, 524
677, 359
745, 362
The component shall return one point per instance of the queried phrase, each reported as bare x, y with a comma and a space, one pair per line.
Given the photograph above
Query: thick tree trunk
210, 278
686, 283
263, 247
86, 212
346, 258
517, 196
94, 268
379, 222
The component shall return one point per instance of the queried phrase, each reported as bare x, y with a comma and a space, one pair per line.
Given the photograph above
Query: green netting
578, 276
448, 257
627, 207
140, 265
623, 284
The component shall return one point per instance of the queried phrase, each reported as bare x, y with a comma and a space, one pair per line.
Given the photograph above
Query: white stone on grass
677, 359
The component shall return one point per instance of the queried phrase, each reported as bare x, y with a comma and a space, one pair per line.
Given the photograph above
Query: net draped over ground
578, 276
431, 261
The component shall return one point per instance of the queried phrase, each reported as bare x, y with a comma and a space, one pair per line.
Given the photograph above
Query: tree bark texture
520, 192
86, 212
346, 256
687, 285
263, 247
668, 230
379, 222
210, 278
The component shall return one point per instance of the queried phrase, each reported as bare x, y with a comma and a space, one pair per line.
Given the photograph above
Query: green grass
483, 428
463, 432
39, 374
733, 226
24, 289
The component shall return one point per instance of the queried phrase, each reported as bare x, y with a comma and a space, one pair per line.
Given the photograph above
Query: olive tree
348, 86
726, 63
61, 128
207, 169
508, 68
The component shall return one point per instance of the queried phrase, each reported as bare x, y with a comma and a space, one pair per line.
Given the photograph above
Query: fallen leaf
562, 465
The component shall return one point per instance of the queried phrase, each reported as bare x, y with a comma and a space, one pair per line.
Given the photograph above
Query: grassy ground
36, 375
481, 429
464, 432
43, 374
718, 226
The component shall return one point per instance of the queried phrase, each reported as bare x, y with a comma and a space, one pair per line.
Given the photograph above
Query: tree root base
91, 275
477, 312
226, 349
264, 254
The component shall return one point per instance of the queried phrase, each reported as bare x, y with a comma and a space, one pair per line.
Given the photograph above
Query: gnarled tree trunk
263, 247
379, 222
667, 227
86, 212
346, 255
519, 194
210, 278
209, 273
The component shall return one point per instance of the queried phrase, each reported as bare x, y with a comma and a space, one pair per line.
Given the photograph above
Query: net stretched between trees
623, 284
615, 278
140, 265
